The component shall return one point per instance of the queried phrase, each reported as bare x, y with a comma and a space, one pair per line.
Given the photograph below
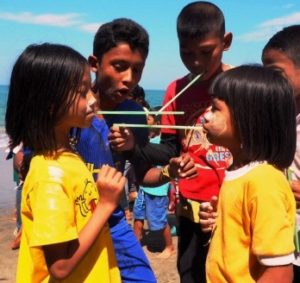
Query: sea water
153, 96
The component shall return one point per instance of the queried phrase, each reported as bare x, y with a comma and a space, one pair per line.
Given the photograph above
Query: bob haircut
45, 81
262, 108
200, 19
286, 41
120, 30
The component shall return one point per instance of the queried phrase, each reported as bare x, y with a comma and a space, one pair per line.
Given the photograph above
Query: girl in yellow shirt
253, 115
65, 237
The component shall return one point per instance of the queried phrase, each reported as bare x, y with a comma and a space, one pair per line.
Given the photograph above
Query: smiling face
118, 72
204, 54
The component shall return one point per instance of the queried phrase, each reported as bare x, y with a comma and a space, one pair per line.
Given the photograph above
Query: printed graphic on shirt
87, 201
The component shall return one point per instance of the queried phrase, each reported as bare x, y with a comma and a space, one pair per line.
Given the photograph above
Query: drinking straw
123, 125
181, 92
141, 112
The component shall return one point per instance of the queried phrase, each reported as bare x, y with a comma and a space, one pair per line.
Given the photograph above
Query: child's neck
239, 160
62, 138
106, 104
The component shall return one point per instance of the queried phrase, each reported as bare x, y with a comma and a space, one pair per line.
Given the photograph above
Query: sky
74, 23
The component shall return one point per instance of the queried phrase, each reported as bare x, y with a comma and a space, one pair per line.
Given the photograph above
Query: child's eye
206, 51
120, 66
280, 71
138, 70
83, 92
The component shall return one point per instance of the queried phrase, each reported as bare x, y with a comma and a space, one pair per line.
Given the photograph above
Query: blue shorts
152, 208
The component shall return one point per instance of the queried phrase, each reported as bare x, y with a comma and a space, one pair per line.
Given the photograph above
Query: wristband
165, 171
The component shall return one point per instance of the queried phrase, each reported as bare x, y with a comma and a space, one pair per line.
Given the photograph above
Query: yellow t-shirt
256, 218
58, 199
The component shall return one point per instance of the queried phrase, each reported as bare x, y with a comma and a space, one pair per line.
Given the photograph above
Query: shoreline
8, 257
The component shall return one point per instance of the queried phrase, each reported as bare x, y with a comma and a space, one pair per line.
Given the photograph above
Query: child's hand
121, 139
208, 214
295, 185
182, 167
110, 183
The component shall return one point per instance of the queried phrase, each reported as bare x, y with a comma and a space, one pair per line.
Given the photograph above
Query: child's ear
93, 62
227, 41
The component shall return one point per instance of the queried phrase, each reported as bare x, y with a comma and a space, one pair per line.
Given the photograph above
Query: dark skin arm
179, 167
277, 274
295, 185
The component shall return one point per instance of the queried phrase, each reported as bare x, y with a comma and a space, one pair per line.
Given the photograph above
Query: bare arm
62, 258
277, 274
295, 185
178, 167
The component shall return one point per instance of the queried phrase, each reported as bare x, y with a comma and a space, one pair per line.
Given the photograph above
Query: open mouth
123, 92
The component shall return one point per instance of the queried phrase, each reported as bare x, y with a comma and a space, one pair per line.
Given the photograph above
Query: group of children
242, 141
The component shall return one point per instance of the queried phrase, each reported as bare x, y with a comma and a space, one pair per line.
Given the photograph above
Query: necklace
74, 137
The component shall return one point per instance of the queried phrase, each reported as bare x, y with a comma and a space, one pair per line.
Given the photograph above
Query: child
282, 53
64, 232
17, 155
202, 40
120, 50
152, 203
253, 115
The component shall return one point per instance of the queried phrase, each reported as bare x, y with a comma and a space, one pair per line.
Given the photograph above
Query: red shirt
210, 160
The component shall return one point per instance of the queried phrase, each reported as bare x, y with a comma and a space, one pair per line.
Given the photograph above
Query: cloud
60, 20
266, 29
91, 27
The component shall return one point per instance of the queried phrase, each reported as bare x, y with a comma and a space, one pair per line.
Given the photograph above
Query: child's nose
91, 100
207, 115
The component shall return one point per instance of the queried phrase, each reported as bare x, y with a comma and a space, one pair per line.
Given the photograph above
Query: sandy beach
165, 269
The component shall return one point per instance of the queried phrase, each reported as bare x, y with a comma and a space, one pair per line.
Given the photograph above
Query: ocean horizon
153, 96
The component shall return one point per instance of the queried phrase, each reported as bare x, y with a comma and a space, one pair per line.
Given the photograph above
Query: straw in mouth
140, 112
177, 127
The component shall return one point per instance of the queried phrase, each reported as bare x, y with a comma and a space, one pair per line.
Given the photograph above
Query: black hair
110, 34
138, 92
262, 108
199, 19
138, 95
44, 83
287, 41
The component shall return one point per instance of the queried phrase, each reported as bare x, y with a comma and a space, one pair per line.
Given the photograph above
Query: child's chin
210, 138
87, 124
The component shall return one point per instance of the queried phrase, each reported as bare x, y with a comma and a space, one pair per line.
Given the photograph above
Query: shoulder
54, 168
265, 181
179, 83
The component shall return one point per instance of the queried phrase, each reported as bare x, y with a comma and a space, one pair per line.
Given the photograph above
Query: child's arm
208, 214
295, 185
277, 274
62, 258
178, 167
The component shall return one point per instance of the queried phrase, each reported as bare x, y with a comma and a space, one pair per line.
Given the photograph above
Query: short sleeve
272, 217
53, 215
